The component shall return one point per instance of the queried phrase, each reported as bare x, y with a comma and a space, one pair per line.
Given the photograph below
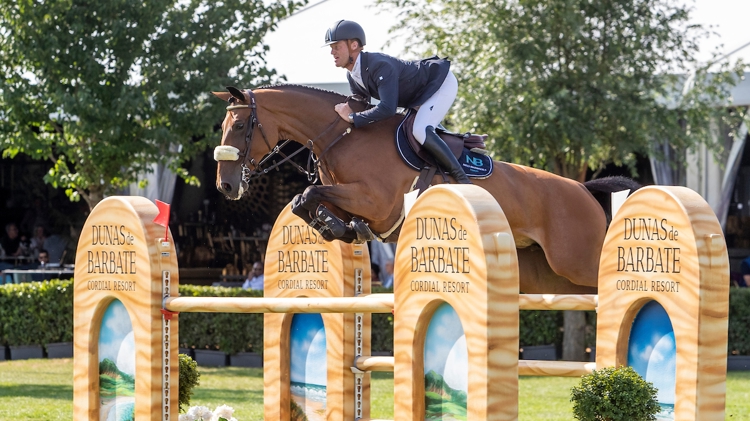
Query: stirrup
325, 220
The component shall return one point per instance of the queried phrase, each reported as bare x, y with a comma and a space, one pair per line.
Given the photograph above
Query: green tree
104, 89
568, 85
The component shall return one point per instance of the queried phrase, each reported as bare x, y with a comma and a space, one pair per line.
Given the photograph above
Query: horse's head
238, 155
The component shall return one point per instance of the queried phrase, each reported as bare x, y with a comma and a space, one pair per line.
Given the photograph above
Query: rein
230, 153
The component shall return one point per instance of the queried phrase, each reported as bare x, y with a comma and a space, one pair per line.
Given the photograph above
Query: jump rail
525, 367
371, 303
374, 303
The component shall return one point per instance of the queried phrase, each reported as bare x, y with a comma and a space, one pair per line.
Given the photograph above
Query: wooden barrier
663, 275
663, 299
456, 326
125, 350
300, 263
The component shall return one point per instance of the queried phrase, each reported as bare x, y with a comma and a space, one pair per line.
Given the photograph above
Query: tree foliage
568, 85
104, 89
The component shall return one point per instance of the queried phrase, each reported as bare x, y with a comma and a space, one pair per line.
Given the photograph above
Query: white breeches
431, 113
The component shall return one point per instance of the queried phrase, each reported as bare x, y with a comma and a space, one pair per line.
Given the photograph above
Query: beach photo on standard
116, 365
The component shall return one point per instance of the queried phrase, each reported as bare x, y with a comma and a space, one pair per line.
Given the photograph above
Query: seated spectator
43, 258
11, 242
37, 240
255, 278
55, 245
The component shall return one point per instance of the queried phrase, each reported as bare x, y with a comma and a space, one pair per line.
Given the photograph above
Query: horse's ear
223, 95
236, 93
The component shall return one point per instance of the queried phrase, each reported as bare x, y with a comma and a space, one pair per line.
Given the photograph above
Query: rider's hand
343, 110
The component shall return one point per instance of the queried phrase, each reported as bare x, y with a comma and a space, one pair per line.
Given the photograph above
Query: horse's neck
303, 116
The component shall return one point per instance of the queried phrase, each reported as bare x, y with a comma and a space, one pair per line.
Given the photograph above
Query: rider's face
340, 53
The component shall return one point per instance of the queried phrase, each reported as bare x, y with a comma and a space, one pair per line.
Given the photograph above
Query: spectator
381, 254
11, 242
744, 280
37, 241
375, 275
388, 275
43, 258
56, 245
255, 278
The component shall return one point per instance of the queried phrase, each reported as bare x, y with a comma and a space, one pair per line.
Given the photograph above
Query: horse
557, 224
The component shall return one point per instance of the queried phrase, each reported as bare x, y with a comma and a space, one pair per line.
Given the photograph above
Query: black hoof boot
325, 220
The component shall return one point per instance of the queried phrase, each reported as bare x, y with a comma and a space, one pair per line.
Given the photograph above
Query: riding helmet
345, 29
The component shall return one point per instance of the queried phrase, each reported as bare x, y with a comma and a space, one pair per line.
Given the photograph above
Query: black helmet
345, 29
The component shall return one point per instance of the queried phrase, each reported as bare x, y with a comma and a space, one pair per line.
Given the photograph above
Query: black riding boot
443, 155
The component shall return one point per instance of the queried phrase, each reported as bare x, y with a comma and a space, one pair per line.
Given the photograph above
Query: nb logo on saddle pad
478, 162
475, 165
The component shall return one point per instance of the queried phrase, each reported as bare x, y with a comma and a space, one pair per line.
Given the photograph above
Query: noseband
230, 153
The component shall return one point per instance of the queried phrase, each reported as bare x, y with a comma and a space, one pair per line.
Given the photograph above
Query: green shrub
739, 320
613, 394
189, 378
228, 332
540, 327
42, 312
36, 313
381, 327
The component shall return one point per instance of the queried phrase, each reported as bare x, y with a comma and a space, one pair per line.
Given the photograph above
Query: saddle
468, 148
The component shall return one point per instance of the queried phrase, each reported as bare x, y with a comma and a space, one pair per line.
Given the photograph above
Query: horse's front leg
329, 210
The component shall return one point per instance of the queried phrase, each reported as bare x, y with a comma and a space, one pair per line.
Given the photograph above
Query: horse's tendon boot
299, 210
326, 220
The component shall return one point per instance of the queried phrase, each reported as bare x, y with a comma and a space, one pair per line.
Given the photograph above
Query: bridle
230, 153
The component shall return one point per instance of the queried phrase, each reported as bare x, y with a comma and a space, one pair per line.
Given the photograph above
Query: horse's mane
304, 88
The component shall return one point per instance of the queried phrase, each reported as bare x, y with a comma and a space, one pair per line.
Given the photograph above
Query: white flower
222, 411
200, 413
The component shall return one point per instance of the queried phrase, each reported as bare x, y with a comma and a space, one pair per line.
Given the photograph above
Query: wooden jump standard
456, 301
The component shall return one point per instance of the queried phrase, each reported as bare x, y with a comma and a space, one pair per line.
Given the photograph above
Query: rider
427, 85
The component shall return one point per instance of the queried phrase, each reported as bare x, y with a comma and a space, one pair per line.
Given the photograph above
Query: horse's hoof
326, 234
363, 231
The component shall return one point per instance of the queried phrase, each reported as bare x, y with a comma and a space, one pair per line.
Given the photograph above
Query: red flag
163, 217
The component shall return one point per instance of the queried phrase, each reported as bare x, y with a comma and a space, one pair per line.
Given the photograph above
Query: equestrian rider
427, 85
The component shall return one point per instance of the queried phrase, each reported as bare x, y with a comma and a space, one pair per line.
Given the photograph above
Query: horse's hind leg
537, 277
573, 246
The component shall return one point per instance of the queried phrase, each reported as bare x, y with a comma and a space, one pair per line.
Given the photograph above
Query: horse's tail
602, 189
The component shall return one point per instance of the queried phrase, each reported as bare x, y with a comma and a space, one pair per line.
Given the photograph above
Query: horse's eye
239, 126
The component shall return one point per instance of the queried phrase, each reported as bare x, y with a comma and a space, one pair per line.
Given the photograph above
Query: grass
42, 390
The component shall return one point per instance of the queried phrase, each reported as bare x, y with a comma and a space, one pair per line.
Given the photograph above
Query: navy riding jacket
396, 83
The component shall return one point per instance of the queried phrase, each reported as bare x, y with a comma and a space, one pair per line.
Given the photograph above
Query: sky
296, 44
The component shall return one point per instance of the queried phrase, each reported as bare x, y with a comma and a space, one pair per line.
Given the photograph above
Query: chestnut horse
557, 224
